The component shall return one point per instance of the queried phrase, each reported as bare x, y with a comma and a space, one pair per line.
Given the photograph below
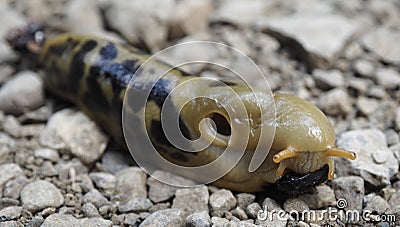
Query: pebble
244, 199
198, 197
364, 67
104, 181
217, 221
47, 154
169, 217
361, 85
73, 130
131, 219
8, 172
22, 93
392, 137
69, 220
334, 31
394, 199
350, 188
367, 106
96, 198
159, 206
328, 79
198, 219
295, 204
135, 205
335, 101
14, 186
10, 213
114, 160
47, 170
380, 41
221, 201
11, 126
90, 210
190, 17
36, 221
250, 11
375, 203
253, 209
323, 197
159, 191
131, 183
375, 162
397, 119
77, 11
64, 168
388, 78
239, 213
39, 195
141, 21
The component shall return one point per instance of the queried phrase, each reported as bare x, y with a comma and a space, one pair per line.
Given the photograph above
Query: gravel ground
341, 55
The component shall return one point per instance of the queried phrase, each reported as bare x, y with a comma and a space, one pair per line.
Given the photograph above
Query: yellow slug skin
94, 74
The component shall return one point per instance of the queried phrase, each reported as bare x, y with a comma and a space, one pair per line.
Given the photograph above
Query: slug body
94, 74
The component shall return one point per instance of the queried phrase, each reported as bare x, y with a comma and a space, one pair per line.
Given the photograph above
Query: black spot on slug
159, 92
77, 64
108, 52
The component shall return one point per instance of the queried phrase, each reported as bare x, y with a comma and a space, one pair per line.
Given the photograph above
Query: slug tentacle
337, 152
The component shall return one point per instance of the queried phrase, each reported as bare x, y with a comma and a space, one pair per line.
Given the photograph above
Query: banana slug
94, 74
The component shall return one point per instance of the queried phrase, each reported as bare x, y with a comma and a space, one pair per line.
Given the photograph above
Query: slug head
304, 137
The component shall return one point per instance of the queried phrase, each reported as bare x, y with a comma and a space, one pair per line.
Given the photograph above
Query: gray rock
364, 67
239, 213
141, 21
295, 204
38, 115
360, 85
7, 202
220, 222
375, 162
113, 160
388, 78
41, 194
253, 209
72, 130
220, 201
131, 183
336, 101
169, 217
11, 224
349, 192
131, 219
10, 213
328, 79
77, 11
36, 221
319, 39
367, 106
14, 186
392, 137
160, 206
96, 198
377, 92
395, 210
397, 119
69, 220
375, 203
135, 205
104, 181
190, 17
244, 199
159, 191
198, 197
270, 204
47, 170
249, 12
23, 92
8, 172
89, 210
11, 126
199, 219
64, 168
323, 197
380, 42
47, 154
394, 200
